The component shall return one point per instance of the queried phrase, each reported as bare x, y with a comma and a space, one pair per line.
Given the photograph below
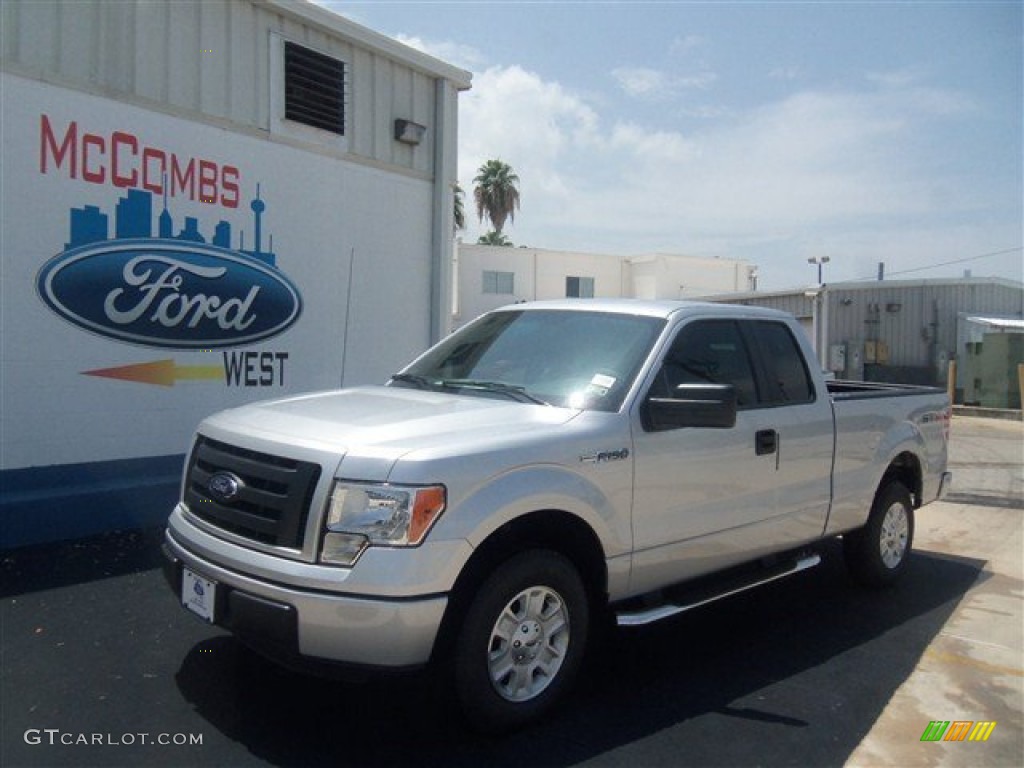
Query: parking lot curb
987, 413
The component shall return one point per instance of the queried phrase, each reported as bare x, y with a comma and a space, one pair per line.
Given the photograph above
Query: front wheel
522, 641
877, 553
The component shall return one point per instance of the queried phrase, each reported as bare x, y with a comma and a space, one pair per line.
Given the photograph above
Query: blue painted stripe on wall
69, 501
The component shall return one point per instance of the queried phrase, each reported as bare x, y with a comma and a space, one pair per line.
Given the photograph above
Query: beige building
489, 276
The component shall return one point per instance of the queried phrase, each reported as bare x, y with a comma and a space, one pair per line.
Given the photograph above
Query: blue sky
771, 132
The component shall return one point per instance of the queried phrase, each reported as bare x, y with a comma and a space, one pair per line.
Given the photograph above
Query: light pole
820, 261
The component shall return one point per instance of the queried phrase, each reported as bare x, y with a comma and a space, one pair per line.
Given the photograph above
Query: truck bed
856, 390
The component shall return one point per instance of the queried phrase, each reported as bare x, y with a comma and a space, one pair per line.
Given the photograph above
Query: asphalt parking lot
100, 667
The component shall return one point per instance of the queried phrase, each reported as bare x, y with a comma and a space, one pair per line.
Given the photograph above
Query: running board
663, 611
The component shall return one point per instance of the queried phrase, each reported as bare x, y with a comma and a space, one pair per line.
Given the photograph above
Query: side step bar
663, 611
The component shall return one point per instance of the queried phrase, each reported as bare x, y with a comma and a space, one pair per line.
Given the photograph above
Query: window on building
579, 287
499, 282
314, 89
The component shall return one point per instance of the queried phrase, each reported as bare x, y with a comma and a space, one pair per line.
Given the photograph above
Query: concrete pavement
973, 670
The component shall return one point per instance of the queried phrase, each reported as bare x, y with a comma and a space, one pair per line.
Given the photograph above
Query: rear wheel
877, 553
522, 641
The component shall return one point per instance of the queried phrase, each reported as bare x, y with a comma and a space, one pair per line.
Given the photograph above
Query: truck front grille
268, 498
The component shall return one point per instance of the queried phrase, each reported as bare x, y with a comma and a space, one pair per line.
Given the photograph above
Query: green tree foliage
496, 193
494, 238
460, 209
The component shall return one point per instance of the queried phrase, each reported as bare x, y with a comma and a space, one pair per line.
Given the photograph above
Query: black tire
522, 641
877, 553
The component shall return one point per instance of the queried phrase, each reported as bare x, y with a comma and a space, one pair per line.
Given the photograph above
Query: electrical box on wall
855, 363
837, 357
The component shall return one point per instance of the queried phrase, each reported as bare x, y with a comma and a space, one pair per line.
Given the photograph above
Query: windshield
566, 358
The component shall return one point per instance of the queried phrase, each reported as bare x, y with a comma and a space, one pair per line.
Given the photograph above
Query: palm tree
494, 238
496, 193
459, 221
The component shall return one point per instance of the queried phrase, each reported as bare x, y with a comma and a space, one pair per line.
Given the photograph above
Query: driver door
704, 498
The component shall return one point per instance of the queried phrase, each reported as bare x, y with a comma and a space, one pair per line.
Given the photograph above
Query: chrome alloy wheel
895, 532
528, 644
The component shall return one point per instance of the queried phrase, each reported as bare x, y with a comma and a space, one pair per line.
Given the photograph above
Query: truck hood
385, 422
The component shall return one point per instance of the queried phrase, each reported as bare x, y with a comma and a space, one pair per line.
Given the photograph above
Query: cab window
787, 381
708, 351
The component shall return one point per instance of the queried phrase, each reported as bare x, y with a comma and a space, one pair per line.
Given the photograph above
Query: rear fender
898, 451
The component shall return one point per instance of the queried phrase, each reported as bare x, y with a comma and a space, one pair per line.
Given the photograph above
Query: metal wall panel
245, 96
36, 27
796, 303
422, 99
361, 118
381, 106
152, 75
908, 327
78, 40
184, 57
212, 60
916, 321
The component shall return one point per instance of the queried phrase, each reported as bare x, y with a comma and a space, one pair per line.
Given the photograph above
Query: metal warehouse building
895, 331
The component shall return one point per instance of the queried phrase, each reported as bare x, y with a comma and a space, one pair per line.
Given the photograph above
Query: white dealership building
204, 204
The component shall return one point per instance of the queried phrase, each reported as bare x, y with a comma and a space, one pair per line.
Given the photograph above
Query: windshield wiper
509, 390
512, 391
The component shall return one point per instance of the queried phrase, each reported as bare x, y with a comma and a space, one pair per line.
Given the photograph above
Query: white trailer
201, 205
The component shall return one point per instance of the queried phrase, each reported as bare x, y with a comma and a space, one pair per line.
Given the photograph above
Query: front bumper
295, 625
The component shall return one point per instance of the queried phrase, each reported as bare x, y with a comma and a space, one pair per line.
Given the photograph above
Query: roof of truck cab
648, 307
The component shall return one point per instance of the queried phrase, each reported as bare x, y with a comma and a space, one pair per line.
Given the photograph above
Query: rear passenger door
708, 498
802, 420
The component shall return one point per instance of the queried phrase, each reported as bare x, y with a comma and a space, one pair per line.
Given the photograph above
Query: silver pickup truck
547, 465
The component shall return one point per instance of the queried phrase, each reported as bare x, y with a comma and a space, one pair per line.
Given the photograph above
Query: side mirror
692, 405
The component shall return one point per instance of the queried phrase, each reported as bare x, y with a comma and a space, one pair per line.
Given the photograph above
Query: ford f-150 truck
549, 464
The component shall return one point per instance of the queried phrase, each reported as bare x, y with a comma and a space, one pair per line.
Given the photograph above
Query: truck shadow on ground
793, 673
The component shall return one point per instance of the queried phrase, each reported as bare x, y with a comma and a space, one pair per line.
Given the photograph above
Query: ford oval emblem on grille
224, 486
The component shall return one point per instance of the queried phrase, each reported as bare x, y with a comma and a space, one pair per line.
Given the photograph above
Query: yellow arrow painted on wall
163, 373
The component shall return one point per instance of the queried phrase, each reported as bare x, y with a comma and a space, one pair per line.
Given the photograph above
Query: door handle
766, 441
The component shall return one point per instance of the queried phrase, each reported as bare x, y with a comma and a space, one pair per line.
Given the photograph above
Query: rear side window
787, 381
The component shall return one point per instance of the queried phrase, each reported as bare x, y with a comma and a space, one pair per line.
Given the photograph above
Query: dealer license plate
198, 594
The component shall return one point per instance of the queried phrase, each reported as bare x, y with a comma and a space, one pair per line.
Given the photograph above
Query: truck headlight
361, 515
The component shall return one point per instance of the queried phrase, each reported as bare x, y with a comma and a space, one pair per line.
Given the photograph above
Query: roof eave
339, 26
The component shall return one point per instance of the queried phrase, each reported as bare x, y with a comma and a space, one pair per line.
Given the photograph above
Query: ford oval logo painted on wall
167, 293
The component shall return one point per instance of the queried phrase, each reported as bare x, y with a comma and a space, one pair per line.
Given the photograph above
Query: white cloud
457, 54
843, 172
644, 82
655, 148
807, 171
790, 72
535, 126
686, 44
900, 78
641, 81
699, 81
